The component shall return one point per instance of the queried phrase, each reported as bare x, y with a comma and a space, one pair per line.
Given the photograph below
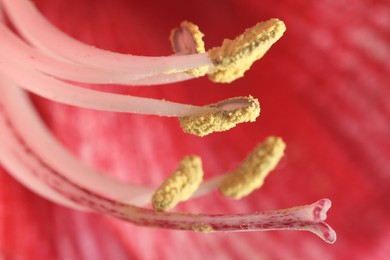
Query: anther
251, 173
226, 115
234, 57
180, 185
188, 40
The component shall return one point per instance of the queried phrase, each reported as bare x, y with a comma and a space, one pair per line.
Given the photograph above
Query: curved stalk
20, 52
39, 32
66, 93
24, 118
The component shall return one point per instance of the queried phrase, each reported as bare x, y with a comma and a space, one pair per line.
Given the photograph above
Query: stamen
63, 92
180, 185
43, 35
20, 52
227, 115
22, 114
188, 40
309, 218
251, 173
234, 57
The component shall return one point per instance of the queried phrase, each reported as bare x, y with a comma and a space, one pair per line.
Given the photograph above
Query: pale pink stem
22, 174
24, 118
66, 93
160, 79
308, 218
16, 49
49, 39
21, 53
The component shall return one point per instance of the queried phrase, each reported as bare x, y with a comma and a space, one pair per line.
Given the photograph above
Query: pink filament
38, 137
15, 49
19, 58
47, 38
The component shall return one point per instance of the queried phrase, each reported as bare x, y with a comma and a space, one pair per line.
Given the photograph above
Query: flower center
50, 62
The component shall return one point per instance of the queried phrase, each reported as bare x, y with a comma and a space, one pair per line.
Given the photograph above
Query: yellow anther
251, 173
188, 40
234, 57
228, 114
180, 185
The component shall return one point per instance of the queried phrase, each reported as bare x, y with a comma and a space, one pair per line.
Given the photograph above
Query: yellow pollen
234, 57
227, 115
251, 173
180, 185
188, 40
203, 228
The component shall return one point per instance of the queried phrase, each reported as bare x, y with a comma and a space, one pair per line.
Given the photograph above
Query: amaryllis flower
322, 88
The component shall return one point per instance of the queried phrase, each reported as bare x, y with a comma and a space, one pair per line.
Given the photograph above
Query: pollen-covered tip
234, 57
188, 40
251, 173
180, 185
226, 115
